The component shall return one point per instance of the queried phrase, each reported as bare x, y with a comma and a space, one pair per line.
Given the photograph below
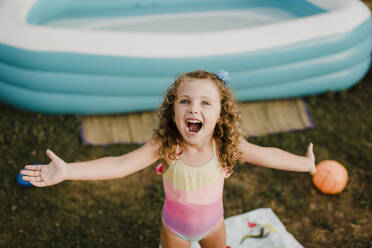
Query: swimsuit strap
214, 147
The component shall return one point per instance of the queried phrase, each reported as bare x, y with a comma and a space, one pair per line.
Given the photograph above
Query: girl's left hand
311, 157
45, 175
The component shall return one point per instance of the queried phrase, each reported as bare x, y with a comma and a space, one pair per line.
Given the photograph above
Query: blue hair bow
224, 76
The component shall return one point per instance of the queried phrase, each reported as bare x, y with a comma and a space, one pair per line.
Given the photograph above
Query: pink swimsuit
193, 198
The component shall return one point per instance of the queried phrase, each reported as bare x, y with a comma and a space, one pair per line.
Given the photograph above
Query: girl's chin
191, 136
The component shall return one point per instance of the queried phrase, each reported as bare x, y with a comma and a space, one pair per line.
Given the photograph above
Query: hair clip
224, 76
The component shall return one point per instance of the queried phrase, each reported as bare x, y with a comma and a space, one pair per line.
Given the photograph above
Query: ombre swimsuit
193, 198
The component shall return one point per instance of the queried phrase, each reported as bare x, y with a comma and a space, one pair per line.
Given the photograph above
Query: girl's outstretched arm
100, 169
276, 158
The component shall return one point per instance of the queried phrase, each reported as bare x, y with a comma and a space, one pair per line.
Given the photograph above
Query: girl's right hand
45, 175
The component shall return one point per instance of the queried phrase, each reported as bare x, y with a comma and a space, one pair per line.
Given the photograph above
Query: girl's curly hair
226, 133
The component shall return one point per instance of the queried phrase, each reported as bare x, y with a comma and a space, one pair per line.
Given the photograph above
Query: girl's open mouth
193, 126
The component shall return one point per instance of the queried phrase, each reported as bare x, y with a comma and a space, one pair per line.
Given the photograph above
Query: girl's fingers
33, 167
27, 178
36, 181
30, 173
52, 156
310, 153
32, 179
310, 147
38, 184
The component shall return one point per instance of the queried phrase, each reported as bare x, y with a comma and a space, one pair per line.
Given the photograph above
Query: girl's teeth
193, 121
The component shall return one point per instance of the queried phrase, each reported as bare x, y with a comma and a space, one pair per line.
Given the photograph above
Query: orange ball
330, 177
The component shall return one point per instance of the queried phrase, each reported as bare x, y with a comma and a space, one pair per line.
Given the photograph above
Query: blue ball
21, 181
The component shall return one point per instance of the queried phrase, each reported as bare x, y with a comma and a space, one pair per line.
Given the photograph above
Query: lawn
126, 212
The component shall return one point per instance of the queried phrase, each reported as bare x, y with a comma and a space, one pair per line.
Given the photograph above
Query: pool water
202, 21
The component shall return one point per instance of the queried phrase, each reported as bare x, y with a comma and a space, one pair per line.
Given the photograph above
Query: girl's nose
193, 109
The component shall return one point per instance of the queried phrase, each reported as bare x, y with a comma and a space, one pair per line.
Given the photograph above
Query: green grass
126, 212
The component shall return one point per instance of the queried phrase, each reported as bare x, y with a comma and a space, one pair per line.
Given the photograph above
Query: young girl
198, 141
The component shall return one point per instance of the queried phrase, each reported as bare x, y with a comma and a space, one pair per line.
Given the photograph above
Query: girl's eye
184, 101
205, 103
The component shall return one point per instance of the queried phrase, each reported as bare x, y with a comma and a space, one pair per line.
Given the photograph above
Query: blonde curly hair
226, 133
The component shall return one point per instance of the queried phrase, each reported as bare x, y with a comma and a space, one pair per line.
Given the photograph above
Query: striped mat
258, 118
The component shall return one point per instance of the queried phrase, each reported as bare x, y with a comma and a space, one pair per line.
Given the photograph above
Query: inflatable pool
95, 57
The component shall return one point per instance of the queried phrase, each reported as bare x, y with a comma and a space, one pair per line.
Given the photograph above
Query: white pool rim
342, 16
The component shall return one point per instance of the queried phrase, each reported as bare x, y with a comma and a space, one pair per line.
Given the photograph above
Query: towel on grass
259, 228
